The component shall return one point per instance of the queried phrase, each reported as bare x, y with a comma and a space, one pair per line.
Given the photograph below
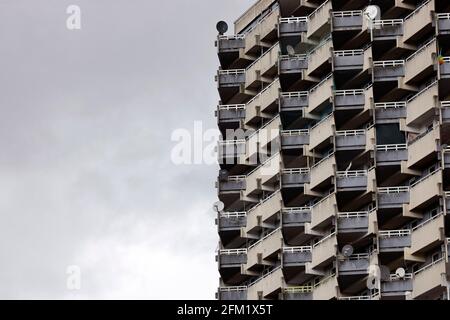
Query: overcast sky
85, 137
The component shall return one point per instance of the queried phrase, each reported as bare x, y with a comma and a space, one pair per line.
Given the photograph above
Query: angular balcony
324, 251
231, 151
292, 64
393, 197
375, 296
428, 234
264, 213
353, 222
397, 287
294, 139
323, 171
351, 139
446, 158
262, 33
232, 184
322, 133
388, 70
344, 60
296, 8
268, 286
320, 95
298, 293
293, 101
422, 106
230, 83
263, 104
390, 110
320, 57
294, 178
444, 68
256, 12
263, 70
319, 21
292, 26
430, 279
445, 111
347, 20
232, 293
232, 221
296, 216
419, 22
424, 191
356, 264
391, 154
421, 63
326, 289
349, 99
355, 180
443, 23
269, 246
230, 114
296, 256
263, 177
232, 258
423, 147
394, 240
324, 212
387, 29
267, 135
227, 44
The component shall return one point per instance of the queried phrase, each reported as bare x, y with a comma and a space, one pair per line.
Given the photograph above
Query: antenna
222, 27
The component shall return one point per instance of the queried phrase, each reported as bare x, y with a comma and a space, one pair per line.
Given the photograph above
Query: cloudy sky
86, 177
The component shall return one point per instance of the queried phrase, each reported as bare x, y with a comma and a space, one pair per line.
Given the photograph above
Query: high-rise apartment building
340, 186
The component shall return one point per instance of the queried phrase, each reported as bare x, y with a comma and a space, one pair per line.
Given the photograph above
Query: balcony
292, 26
319, 21
353, 222
232, 293
390, 110
232, 221
298, 293
428, 234
234, 43
430, 279
394, 240
444, 68
320, 95
323, 171
232, 184
256, 12
268, 135
344, 60
396, 286
230, 83
263, 177
351, 139
293, 217
375, 296
233, 113
268, 286
393, 197
293, 101
323, 212
388, 70
232, 258
326, 289
292, 64
261, 34
443, 23
355, 180
294, 139
349, 99
322, 133
263, 70
296, 256
419, 22
421, 63
262, 105
391, 154
296, 8
387, 29
320, 57
347, 20
422, 106
424, 191
423, 147
294, 178
357, 264
324, 252
445, 111
267, 247
264, 213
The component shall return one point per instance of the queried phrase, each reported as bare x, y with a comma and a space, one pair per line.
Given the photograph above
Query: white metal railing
351, 174
348, 53
233, 289
324, 239
262, 92
424, 178
428, 266
388, 63
352, 92
298, 94
358, 256
360, 298
300, 57
422, 91
231, 142
232, 252
236, 178
264, 238
392, 190
294, 133
350, 215
232, 107
264, 276
422, 48
417, 10
294, 20
301, 289
427, 221
342, 14
227, 215
388, 22
395, 277
297, 249
445, 104
392, 147
389, 105
295, 210
443, 16
323, 160
351, 133
232, 37
232, 72
296, 171
394, 233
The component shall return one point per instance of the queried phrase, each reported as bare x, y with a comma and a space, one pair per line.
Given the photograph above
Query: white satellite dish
291, 51
347, 250
373, 12
400, 273
218, 206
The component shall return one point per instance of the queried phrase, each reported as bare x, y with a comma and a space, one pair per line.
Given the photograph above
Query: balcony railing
351, 174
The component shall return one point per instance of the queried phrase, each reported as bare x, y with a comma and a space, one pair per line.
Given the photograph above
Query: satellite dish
373, 12
290, 50
400, 273
222, 27
218, 206
347, 250
223, 175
